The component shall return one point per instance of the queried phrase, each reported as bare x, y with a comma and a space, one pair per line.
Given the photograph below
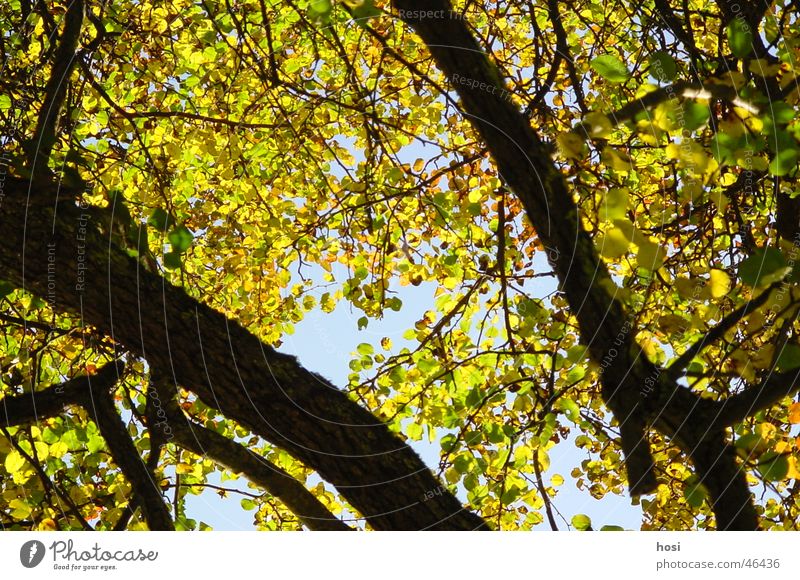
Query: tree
603, 196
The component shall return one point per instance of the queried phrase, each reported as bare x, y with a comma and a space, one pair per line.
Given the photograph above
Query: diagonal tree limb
146, 492
523, 161
93, 392
178, 429
277, 482
712, 89
168, 423
679, 364
225, 365
772, 390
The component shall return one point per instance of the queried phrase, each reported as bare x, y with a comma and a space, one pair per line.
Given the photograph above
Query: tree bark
525, 164
58, 254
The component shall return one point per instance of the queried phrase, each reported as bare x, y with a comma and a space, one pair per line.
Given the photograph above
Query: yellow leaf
613, 244
598, 125
48, 525
183, 468
793, 472
616, 203
616, 160
719, 284
14, 462
651, 255
19, 509
570, 145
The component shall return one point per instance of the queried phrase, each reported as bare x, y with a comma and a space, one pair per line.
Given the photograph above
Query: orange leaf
794, 413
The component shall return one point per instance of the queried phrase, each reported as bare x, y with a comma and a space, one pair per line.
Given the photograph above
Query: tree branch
167, 422
712, 88
716, 333
93, 392
277, 482
225, 365
524, 163
44, 138
30, 408
146, 492
773, 389
632, 387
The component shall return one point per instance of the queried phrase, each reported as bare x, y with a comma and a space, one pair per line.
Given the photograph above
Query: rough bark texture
525, 163
58, 254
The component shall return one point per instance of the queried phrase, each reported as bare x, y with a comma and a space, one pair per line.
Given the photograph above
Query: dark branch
146, 492
56, 89
277, 482
166, 422
711, 88
30, 408
777, 386
229, 368
632, 387
679, 364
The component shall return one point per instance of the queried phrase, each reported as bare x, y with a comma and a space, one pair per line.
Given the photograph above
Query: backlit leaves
611, 68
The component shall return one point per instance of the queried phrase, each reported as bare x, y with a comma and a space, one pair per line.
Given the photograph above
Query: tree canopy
602, 197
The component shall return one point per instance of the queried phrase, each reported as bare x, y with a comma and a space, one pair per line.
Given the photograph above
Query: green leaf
95, 443
173, 260
612, 529
362, 322
6, 288
14, 462
740, 38
788, 359
773, 467
364, 11
365, 348
180, 238
610, 68
765, 266
748, 442
783, 162
137, 236
662, 66
160, 220
582, 522
19, 509
695, 115
780, 113
694, 492
570, 408
448, 443
397, 374
510, 495
320, 10
5, 102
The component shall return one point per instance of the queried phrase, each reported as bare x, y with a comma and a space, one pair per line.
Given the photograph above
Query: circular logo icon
31, 553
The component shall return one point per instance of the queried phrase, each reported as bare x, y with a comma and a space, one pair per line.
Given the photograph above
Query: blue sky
324, 343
